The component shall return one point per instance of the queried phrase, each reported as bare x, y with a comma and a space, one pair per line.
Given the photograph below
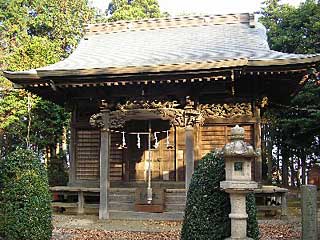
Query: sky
180, 7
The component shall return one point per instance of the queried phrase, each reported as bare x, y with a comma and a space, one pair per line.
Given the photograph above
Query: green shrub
207, 210
25, 211
57, 173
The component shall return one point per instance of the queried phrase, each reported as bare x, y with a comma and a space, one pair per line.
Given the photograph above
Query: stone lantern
238, 156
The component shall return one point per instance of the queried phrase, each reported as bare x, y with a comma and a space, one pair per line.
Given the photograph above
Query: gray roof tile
179, 43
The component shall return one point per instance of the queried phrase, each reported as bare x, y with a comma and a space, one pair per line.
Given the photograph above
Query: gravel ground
91, 228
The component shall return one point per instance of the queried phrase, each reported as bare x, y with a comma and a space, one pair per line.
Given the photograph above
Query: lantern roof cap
238, 147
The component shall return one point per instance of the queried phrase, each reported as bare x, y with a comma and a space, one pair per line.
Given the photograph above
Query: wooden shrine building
149, 98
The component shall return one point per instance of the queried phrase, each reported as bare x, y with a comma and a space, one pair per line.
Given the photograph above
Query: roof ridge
174, 22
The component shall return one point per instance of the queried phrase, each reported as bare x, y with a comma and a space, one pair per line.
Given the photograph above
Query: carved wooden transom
172, 111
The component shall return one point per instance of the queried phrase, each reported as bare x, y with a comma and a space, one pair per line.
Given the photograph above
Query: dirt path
91, 228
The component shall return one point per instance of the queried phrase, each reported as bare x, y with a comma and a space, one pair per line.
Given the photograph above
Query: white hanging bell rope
168, 142
156, 144
123, 140
138, 141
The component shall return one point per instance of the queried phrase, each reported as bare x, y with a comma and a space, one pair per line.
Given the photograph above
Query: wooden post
104, 165
257, 145
72, 150
80, 202
197, 146
189, 154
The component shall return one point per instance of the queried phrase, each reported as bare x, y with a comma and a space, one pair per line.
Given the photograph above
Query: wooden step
64, 205
122, 198
175, 199
175, 207
118, 206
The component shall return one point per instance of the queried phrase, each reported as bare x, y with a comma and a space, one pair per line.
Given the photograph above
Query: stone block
309, 212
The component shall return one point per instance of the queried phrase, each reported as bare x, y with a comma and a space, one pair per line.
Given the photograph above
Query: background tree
290, 29
133, 9
40, 32
34, 34
291, 132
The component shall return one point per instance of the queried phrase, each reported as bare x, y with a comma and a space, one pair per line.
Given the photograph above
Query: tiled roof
185, 43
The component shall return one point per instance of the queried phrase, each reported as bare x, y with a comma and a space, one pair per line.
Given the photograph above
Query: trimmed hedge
25, 200
207, 208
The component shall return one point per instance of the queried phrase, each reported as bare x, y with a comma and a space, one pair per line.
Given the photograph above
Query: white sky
178, 7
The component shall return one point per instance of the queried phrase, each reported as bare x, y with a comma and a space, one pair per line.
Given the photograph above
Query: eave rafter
224, 76
151, 78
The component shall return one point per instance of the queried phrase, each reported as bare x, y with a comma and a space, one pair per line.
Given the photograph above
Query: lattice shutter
88, 155
116, 155
87, 151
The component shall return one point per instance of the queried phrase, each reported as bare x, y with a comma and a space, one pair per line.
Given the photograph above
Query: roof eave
229, 63
284, 62
18, 77
13, 76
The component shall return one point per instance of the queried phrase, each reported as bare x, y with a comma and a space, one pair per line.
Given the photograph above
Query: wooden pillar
189, 154
197, 145
104, 165
257, 145
72, 151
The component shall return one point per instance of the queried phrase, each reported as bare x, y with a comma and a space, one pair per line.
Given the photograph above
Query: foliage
133, 9
290, 29
47, 122
25, 212
207, 209
34, 34
301, 120
57, 172
40, 32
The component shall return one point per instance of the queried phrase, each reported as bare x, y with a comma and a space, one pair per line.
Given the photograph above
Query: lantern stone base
237, 186
238, 191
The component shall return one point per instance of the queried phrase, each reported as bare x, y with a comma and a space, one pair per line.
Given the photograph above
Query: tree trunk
303, 165
292, 175
298, 171
285, 167
278, 165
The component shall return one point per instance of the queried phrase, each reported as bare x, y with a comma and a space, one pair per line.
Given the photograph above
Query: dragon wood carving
169, 110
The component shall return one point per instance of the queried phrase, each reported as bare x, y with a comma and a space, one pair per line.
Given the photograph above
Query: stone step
116, 206
131, 215
175, 207
175, 191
